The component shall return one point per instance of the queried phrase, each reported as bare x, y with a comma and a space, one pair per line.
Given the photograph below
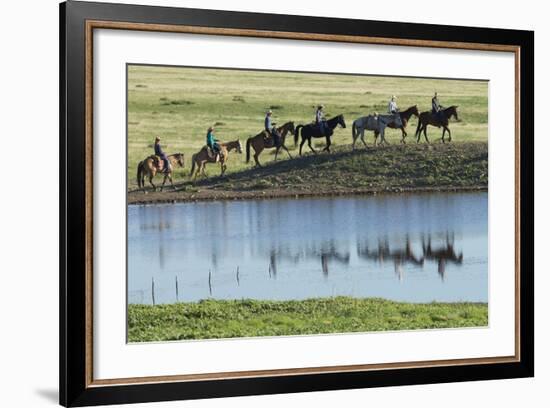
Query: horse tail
248, 141
296, 133
418, 125
139, 173
192, 164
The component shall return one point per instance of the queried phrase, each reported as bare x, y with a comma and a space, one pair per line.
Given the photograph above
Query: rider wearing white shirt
392, 106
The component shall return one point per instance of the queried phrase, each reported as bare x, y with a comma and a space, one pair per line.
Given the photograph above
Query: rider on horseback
271, 129
436, 107
320, 119
213, 148
162, 155
392, 106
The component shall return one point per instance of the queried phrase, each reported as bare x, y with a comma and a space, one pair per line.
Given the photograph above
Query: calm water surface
417, 248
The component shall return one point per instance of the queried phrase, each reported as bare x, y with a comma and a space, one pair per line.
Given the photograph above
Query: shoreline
176, 196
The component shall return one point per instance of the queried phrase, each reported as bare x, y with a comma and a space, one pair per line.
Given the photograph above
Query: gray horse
375, 123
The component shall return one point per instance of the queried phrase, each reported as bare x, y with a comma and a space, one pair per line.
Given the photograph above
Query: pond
413, 248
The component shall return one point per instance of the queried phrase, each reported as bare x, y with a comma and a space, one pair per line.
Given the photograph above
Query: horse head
239, 147
414, 110
453, 111
179, 159
290, 127
341, 121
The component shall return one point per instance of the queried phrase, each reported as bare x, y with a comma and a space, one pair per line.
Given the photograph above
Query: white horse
376, 123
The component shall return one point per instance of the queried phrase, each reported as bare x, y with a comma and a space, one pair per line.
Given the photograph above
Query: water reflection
434, 245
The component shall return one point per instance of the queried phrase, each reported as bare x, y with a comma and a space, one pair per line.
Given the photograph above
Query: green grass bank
395, 168
214, 319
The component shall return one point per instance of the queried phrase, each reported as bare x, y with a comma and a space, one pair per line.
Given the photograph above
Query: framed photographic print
256, 203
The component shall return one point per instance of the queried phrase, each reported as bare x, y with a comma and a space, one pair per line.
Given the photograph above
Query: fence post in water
238, 281
210, 281
153, 290
177, 294
269, 270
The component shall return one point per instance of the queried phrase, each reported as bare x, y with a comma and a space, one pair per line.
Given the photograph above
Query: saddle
212, 154
439, 115
268, 139
157, 161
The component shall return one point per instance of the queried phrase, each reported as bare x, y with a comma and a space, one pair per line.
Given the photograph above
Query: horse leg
256, 155
301, 144
164, 181
449, 131
327, 147
425, 134
151, 182
418, 133
363, 137
289, 156
311, 147
383, 137
443, 135
276, 152
403, 135
198, 171
171, 181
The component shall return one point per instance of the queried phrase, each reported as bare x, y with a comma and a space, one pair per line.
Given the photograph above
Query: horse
265, 141
439, 119
313, 130
202, 157
376, 123
152, 165
405, 116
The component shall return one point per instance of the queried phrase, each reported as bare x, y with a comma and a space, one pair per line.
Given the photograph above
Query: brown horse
439, 119
202, 157
405, 117
263, 140
153, 165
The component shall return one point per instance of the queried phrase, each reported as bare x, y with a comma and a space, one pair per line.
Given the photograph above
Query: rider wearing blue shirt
271, 129
160, 153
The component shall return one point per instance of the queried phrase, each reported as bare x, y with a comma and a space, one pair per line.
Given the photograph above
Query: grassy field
178, 104
211, 319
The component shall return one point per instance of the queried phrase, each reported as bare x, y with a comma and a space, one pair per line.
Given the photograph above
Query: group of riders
213, 146
436, 106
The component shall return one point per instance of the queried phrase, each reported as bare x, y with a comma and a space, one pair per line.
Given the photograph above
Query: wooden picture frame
78, 20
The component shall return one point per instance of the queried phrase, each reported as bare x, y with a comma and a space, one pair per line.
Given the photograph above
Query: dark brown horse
265, 141
153, 165
405, 117
312, 130
439, 119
